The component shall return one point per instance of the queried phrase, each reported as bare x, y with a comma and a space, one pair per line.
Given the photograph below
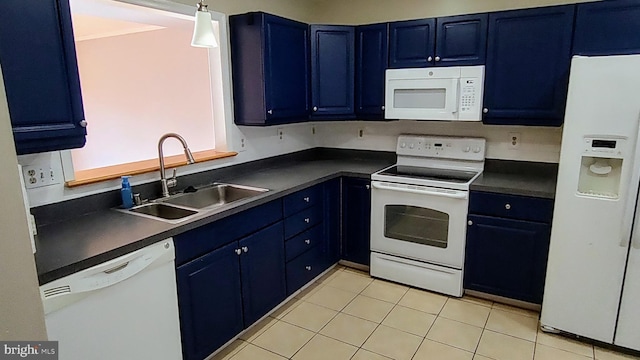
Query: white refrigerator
592, 286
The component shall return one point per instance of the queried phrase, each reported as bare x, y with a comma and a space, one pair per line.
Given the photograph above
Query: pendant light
203, 35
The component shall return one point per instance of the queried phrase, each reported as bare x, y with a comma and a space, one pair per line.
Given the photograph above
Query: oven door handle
422, 191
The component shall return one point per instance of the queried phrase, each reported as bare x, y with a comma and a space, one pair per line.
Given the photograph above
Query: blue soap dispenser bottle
126, 193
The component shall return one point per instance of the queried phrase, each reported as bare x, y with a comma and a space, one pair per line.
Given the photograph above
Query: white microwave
440, 93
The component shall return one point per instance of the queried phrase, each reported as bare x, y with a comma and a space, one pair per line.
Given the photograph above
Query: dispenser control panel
604, 146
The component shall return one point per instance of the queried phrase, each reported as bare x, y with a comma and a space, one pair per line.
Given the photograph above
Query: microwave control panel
470, 106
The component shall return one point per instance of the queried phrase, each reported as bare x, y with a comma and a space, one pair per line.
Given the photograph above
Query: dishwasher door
126, 308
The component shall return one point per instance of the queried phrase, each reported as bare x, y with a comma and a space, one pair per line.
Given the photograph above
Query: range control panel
444, 147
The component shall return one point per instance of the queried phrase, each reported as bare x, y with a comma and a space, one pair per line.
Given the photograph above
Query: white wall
21, 312
137, 87
537, 143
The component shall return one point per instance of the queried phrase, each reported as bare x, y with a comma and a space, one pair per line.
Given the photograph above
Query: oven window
420, 98
417, 225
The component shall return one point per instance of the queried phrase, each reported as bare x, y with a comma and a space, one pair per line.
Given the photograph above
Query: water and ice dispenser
601, 166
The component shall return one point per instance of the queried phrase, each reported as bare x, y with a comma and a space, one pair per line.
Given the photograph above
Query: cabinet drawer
302, 200
511, 206
303, 242
304, 268
302, 221
209, 237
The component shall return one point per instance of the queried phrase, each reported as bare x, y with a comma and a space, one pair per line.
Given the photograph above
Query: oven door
419, 222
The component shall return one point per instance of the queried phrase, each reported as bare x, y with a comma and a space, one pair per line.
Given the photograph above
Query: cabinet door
263, 272
332, 71
286, 70
412, 43
528, 60
270, 64
607, 28
371, 62
356, 220
40, 71
506, 257
210, 301
332, 221
461, 40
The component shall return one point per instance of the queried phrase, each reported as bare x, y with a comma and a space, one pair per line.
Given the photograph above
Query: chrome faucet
169, 183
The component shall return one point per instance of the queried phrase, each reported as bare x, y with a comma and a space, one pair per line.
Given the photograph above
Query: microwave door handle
456, 90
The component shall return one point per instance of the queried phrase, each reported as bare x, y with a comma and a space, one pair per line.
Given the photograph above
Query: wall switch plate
36, 176
514, 140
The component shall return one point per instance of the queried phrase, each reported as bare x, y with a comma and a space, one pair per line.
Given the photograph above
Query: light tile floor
349, 315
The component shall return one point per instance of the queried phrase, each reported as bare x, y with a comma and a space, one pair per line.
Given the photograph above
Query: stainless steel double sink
183, 206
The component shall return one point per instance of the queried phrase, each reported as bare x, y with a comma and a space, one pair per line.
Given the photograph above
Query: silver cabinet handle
430, 58
83, 123
485, 110
315, 108
382, 107
238, 251
308, 267
368, 187
307, 241
270, 112
306, 199
507, 206
437, 58
307, 220
469, 222
245, 249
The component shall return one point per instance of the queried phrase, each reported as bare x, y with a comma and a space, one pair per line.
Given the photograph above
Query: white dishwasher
125, 308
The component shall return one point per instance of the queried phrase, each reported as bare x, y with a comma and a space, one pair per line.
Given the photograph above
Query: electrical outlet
39, 175
360, 134
243, 144
280, 135
514, 140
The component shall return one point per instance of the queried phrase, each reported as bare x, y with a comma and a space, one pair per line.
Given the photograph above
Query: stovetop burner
425, 173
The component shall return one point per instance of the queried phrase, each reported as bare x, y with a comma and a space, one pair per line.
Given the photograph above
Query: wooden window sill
92, 176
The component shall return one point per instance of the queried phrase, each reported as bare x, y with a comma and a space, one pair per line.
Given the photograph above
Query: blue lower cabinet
507, 257
210, 301
304, 241
332, 221
304, 268
262, 271
356, 220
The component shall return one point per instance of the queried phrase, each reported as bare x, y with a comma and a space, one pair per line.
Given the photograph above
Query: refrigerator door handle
631, 200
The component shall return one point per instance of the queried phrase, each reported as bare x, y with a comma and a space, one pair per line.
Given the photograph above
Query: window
141, 79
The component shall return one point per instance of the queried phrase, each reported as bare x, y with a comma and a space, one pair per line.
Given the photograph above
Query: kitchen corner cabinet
237, 276
356, 220
371, 62
270, 61
607, 28
507, 245
40, 72
527, 70
332, 72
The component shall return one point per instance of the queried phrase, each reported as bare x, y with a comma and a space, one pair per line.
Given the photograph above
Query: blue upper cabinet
371, 62
270, 63
332, 72
608, 28
461, 40
528, 60
412, 43
40, 71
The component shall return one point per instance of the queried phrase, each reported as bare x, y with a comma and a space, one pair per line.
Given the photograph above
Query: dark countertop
518, 178
68, 246
74, 243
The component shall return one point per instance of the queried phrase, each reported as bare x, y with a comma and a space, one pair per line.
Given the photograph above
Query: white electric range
419, 211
